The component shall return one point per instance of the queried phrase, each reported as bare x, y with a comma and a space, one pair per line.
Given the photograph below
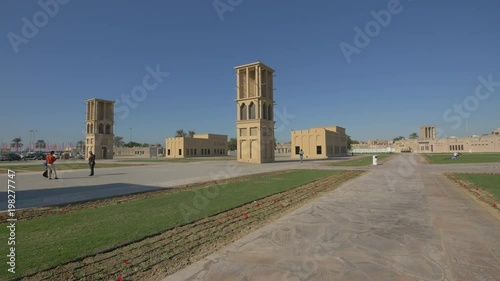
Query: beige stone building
282, 148
200, 145
138, 152
428, 143
319, 142
99, 128
255, 111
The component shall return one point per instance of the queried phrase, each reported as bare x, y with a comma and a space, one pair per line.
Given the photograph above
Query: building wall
139, 152
99, 127
283, 148
201, 145
320, 142
484, 143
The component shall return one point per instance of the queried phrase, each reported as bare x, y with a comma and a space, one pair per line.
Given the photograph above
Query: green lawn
444, 158
364, 161
45, 242
59, 166
488, 182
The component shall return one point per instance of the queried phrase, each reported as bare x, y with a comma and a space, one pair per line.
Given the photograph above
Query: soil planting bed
158, 256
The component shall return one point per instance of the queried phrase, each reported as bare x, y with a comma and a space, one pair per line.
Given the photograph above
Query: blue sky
415, 68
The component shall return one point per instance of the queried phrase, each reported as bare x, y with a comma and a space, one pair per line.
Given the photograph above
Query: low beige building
138, 152
200, 145
282, 148
428, 143
319, 142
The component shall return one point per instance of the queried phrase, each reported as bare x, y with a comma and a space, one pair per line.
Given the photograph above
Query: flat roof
254, 63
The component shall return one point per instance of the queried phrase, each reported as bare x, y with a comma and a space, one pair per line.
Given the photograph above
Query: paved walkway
401, 221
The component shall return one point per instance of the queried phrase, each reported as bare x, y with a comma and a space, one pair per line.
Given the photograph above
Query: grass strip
465, 158
45, 242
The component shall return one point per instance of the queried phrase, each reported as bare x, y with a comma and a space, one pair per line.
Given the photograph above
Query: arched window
243, 112
101, 128
251, 108
108, 129
91, 128
264, 112
270, 112
88, 128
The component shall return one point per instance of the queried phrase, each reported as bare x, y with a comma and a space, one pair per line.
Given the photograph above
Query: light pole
32, 138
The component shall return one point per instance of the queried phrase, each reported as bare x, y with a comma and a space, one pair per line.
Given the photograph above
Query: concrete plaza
400, 221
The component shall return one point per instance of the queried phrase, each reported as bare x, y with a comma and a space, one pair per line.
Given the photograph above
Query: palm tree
191, 134
17, 141
118, 141
180, 133
80, 145
40, 144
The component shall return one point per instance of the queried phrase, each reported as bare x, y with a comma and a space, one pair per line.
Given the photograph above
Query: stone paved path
401, 221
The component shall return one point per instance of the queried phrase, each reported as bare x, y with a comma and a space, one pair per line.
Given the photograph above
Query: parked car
10, 157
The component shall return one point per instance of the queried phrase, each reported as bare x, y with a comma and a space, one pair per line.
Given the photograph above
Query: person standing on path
51, 166
301, 153
91, 163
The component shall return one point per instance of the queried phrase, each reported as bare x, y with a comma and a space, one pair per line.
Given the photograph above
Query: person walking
91, 163
51, 166
301, 153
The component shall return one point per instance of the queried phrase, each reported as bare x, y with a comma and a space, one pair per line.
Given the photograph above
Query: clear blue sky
415, 68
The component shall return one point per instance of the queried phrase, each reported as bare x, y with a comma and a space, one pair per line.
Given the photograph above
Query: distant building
319, 142
282, 148
99, 128
139, 152
429, 143
200, 145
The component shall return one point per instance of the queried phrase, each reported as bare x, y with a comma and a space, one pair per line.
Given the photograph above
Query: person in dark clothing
91, 163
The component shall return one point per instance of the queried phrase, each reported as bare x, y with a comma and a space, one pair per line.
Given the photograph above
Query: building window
101, 128
264, 111
318, 149
269, 112
252, 111
195, 152
108, 129
168, 151
180, 151
243, 112
297, 149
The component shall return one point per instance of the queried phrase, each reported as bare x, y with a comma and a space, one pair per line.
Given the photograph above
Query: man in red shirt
51, 165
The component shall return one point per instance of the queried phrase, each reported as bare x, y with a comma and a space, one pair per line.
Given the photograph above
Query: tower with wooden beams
255, 109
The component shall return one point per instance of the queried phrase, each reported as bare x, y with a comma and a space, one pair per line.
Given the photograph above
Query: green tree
191, 134
118, 141
180, 133
17, 142
133, 144
145, 144
40, 144
232, 144
350, 142
398, 138
80, 145
413, 136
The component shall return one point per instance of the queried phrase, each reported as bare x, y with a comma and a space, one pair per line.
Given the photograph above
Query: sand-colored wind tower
255, 109
99, 128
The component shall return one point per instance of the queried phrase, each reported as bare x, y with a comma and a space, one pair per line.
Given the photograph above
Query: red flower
119, 279
495, 205
245, 215
127, 262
